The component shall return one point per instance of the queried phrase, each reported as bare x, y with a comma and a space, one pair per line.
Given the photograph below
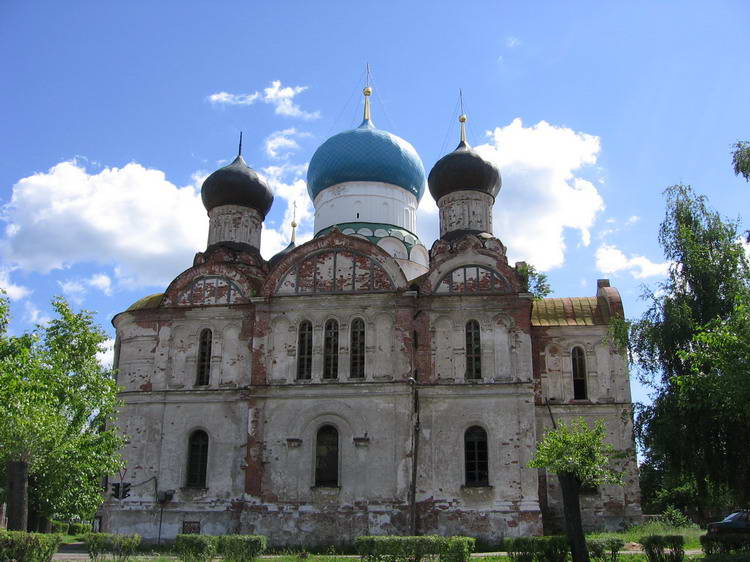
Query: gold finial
367, 91
294, 224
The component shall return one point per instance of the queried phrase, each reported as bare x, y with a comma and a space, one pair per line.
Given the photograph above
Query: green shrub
597, 550
97, 545
655, 547
124, 547
674, 517
728, 543
60, 527
195, 548
240, 548
552, 548
79, 528
453, 549
28, 547
522, 549
613, 547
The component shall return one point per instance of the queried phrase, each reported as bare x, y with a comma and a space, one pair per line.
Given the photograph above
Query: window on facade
327, 457
357, 349
331, 350
197, 459
304, 351
204, 358
473, 351
475, 454
579, 374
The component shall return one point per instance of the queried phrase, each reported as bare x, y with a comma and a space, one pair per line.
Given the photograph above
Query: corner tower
237, 201
368, 182
464, 186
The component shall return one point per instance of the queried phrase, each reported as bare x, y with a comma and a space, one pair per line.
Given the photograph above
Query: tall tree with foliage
697, 427
55, 404
580, 457
741, 159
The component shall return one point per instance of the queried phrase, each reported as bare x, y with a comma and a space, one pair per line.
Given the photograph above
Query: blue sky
590, 108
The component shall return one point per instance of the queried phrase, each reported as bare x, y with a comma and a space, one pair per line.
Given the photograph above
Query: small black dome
237, 184
463, 169
278, 257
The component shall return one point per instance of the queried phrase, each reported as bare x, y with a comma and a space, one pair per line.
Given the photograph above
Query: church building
359, 383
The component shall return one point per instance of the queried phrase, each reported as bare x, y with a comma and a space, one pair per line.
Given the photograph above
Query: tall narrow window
304, 351
204, 358
357, 349
579, 374
331, 350
197, 459
327, 457
475, 455
473, 350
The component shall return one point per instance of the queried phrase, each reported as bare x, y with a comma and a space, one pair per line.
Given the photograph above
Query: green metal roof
575, 311
151, 301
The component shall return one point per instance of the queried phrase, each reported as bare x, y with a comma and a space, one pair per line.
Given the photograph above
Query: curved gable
469, 279
209, 284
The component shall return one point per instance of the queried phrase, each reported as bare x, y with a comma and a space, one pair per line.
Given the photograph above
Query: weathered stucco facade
434, 387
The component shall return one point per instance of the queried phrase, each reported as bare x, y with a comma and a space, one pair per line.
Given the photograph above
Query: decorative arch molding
344, 417
472, 279
333, 264
210, 284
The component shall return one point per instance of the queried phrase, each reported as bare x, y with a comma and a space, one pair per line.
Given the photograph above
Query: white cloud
279, 145
73, 290
14, 292
102, 282
107, 354
35, 316
132, 218
632, 220
512, 42
610, 259
543, 193
281, 97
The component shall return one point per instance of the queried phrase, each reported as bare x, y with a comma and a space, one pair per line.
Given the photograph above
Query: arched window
475, 455
203, 372
197, 459
304, 350
579, 373
327, 457
331, 350
357, 349
473, 350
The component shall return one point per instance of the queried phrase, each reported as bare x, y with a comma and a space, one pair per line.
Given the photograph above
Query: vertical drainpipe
413, 527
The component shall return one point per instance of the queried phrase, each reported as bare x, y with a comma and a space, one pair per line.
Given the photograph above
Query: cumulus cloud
543, 192
107, 354
280, 97
15, 292
610, 259
35, 316
131, 218
280, 145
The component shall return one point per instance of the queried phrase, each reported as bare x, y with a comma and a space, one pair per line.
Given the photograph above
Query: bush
121, 547
655, 547
454, 549
597, 550
60, 527
195, 548
28, 547
79, 528
552, 549
725, 544
613, 547
674, 517
522, 549
240, 548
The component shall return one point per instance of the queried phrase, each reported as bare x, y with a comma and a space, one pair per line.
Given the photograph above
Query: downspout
414, 458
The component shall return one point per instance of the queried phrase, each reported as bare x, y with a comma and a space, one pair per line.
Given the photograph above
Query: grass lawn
633, 534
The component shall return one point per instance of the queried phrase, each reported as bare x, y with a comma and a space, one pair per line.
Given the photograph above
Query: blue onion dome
237, 184
463, 169
366, 154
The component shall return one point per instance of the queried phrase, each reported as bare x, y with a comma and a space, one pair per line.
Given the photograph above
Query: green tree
580, 457
741, 159
534, 281
690, 430
55, 404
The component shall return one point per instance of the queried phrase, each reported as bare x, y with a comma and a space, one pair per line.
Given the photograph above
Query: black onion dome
463, 169
237, 184
278, 257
